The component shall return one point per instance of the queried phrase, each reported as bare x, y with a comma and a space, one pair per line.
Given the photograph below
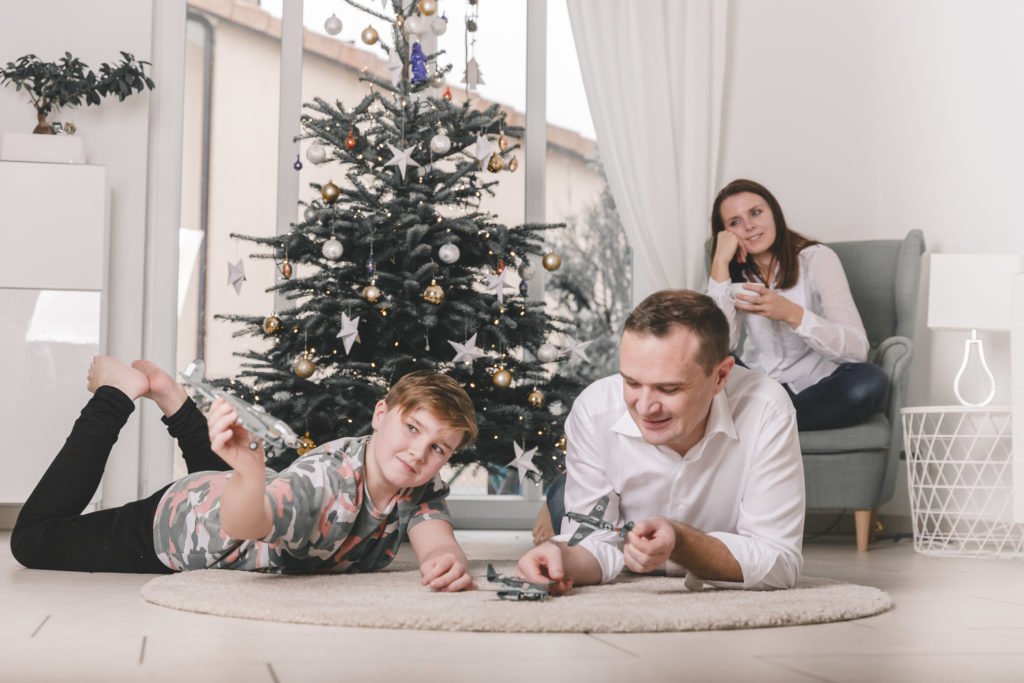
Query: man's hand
447, 572
649, 545
230, 441
545, 564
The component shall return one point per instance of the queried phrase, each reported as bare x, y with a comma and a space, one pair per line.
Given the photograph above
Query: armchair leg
862, 520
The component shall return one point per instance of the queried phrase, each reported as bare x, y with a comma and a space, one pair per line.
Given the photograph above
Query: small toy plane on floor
516, 588
590, 523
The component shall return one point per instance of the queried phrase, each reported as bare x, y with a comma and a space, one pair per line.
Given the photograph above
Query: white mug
740, 288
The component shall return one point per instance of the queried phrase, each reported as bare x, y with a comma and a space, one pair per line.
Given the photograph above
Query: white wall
868, 118
116, 136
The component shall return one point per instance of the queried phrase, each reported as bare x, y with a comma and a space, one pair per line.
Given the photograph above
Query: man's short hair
660, 312
441, 395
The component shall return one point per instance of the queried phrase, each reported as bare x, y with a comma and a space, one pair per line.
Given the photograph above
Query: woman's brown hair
785, 249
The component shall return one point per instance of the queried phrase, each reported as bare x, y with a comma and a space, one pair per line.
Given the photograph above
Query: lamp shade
971, 291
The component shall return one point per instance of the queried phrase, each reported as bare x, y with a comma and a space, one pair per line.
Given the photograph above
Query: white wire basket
960, 475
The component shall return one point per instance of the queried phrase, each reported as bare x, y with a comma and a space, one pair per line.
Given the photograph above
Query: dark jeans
51, 531
844, 398
556, 501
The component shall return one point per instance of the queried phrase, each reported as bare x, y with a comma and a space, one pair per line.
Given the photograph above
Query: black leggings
51, 531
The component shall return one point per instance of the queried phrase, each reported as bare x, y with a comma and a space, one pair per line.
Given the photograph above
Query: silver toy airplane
595, 520
275, 434
516, 588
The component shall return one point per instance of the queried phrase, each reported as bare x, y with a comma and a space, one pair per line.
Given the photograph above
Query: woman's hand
729, 247
231, 441
770, 304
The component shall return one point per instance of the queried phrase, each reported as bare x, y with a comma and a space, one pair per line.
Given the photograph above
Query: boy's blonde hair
439, 394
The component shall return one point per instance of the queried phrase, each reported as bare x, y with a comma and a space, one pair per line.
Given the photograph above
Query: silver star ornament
481, 149
236, 275
466, 352
524, 462
578, 350
349, 334
498, 283
402, 159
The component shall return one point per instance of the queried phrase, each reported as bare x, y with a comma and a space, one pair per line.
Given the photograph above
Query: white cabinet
54, 234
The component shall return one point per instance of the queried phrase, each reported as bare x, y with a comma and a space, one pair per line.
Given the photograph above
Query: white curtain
654, 74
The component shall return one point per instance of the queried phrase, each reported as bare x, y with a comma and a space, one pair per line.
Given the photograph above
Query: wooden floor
955, 620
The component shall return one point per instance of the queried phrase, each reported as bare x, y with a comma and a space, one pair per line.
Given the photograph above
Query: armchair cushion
873, 434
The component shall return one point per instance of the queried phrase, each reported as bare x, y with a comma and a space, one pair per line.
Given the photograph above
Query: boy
341, 507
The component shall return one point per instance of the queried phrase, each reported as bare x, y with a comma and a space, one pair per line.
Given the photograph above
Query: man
702, 455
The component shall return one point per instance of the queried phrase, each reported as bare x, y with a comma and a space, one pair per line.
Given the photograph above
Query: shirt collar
719, 421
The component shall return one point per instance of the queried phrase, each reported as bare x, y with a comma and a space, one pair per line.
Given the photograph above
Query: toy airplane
595, 520
516, 588
275, 434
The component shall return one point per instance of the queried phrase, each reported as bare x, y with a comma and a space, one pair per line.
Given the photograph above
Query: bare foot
542, 528
163, 390
110, 372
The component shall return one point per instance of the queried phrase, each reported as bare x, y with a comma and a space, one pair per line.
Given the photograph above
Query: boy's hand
545, 564
446, 572
230, 441
649, 545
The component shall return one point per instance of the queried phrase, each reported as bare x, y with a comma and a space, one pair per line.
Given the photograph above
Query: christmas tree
395, 268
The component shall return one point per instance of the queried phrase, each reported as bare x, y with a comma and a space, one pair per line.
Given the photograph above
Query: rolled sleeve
586, 482
768, 539
721, 294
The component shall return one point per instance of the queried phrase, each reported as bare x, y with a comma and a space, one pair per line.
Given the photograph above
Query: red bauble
350, 141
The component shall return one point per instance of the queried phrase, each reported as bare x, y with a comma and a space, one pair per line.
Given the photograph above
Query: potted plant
69, 82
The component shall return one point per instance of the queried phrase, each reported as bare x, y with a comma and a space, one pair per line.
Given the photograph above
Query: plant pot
42, 126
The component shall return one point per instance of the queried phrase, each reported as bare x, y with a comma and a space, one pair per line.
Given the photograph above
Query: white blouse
830, 333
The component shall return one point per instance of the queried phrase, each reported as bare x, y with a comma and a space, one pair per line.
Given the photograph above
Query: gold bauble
369, 35
513, 164
427, 7
330, 192
433, 293
286, 269
304, 367
536, 398
271, 324
562, 444
551, 261
503, 143
306, 444
495, 164
371, 293
502, 378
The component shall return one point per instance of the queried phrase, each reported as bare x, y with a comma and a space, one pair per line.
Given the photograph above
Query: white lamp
972, 292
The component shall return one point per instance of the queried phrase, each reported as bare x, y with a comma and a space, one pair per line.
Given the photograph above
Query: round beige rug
394, 598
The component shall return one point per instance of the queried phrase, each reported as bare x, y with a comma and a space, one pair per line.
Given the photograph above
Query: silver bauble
416, 25
547, 353
333, 249
440, 144
449, 253
332, 25
438, 26
309, 214
316, 154
526, 271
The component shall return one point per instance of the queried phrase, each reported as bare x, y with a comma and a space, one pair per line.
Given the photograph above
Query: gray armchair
855, 467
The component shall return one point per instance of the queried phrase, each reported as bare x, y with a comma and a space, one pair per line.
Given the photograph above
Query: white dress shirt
742, 483
830, 333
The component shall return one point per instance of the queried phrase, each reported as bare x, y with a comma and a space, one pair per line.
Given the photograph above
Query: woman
789, 294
